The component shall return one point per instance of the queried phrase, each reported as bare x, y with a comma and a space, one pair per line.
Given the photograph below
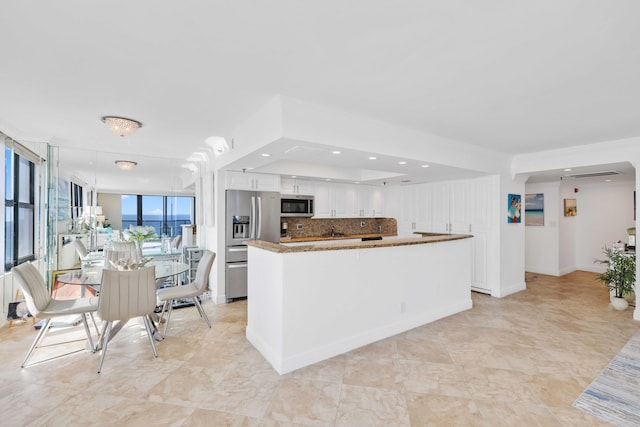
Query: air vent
593, 174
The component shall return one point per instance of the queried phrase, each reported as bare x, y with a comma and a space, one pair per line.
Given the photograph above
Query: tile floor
516, 361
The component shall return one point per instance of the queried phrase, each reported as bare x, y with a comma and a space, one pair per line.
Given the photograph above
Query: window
19, 208
166, 214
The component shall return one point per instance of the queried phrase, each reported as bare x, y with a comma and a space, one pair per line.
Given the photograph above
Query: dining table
90, 275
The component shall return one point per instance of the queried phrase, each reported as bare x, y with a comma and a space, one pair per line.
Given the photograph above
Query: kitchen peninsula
311, 302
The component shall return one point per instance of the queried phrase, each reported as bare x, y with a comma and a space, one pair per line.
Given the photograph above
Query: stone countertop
335, 237
280, 248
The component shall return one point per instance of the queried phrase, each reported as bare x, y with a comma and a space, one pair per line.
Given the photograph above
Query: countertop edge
279, 248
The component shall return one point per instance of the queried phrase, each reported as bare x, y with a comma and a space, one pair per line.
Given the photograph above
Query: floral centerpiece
139, 233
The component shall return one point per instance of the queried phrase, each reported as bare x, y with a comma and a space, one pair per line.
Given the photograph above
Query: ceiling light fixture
121, 125
402, 163
335, 152
372, 158
424, 166
266, 155
125, 165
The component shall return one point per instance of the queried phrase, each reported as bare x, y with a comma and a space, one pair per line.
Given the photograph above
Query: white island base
308, 306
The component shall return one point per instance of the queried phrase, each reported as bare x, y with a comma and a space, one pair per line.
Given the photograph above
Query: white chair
42, 306
125, 295
123, 246
133, 253
81, 249
176, 242
192, 290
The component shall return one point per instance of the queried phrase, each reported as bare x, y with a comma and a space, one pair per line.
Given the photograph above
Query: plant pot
619, 303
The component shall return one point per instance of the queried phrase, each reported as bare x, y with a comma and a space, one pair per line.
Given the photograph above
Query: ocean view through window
166, 214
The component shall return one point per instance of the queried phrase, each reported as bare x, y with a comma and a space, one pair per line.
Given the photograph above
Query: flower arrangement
139, 233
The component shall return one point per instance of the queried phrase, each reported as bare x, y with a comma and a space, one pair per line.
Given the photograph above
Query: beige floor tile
519, 361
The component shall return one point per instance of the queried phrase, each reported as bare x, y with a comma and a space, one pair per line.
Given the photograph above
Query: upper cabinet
296, 186
252, 181
337, 200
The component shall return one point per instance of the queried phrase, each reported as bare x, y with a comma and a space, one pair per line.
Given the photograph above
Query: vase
619, 303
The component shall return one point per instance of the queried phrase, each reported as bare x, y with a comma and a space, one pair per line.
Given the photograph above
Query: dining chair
123, 246
133, 253
125, 295
42, 306
81, 249
176, 242
192, 290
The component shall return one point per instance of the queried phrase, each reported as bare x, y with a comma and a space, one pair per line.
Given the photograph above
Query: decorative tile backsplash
322, 227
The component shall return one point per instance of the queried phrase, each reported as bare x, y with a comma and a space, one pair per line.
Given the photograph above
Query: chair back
33, 287
204, 268
123, 246
175, 243
81, 249
134, 254
127, 294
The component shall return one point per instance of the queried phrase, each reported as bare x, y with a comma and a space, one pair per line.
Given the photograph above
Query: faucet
333, 232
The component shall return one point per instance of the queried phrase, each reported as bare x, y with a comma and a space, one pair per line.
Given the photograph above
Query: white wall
605, 211
565, 244
542, 252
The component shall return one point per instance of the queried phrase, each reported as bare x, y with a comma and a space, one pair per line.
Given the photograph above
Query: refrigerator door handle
252, 219
259, 227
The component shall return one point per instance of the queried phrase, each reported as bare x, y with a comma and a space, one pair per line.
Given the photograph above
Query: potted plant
620, 276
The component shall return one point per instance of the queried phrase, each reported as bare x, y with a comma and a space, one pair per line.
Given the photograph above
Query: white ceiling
514, 76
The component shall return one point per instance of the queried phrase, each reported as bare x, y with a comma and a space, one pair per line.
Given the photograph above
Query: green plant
620, 275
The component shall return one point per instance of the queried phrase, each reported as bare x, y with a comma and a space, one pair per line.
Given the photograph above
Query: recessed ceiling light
567, 170
357, 182
607, 180
327, 179
266, 154
424, 166
294, 176
402, 163
372, 158
335, 152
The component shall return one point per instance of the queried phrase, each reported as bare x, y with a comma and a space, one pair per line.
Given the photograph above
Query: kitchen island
311, 302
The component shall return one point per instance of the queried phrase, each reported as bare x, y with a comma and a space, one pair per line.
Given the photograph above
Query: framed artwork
570, 208
514, 204
534, 209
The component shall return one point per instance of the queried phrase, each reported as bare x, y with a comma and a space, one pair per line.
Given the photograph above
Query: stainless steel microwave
296, 205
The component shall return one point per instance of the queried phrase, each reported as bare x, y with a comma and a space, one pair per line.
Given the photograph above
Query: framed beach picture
534, 209
514, 204
570, 208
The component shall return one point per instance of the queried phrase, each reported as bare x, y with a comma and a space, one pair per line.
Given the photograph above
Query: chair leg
166, 325
105, 342
201, 310
147, 324
86, 329
43, 331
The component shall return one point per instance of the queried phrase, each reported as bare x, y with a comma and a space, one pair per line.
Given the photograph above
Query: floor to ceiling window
19, 206
164, 213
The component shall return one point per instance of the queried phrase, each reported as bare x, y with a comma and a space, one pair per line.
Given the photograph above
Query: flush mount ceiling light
121, 125
126, 165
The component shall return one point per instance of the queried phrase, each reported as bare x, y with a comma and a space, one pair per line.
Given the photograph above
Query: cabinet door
266, 182
288, 186
353, 201
305, 187
407, 217
459, 207
339, 200
376, 199
239, 180
423, 207
323, 203
440, 207
479, 265
481, 205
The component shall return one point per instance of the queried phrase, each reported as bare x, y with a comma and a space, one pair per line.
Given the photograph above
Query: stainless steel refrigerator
250, 215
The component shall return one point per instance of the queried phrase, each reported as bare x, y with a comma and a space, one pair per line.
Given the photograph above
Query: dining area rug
614, 395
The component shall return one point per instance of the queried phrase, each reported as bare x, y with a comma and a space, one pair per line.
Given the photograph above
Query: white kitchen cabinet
296, 186
330, 200
252, 181
371, 201
465, 207
412, 210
